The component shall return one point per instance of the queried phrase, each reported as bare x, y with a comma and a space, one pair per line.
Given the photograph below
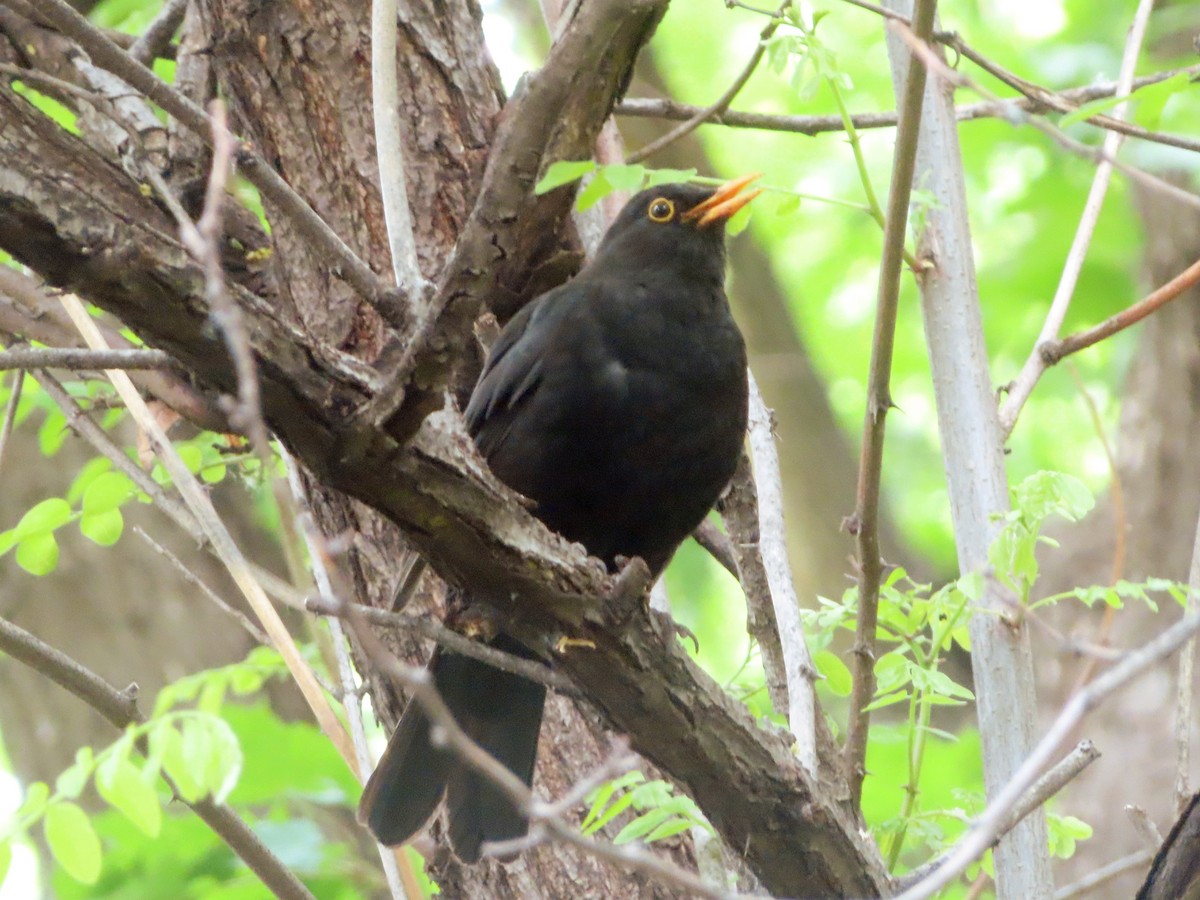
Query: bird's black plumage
617, 403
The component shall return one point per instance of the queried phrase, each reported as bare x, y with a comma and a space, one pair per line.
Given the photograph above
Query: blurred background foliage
1025, 196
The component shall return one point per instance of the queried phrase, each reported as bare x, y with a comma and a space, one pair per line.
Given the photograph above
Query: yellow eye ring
661, 210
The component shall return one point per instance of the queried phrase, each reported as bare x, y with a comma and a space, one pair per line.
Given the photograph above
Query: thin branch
120, 709
1010, 110
70, 358
1065, 771
798, 666
10, 410
389, 151
1054, 352
723, 101
865, 521
202, 586
325, 605
346, 264
1036, 364
150, 44
1094, 879
987, 827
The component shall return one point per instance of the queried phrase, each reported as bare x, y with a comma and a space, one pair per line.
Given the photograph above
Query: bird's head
676, 223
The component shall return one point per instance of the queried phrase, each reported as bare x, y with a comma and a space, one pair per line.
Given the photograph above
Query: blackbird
617, 404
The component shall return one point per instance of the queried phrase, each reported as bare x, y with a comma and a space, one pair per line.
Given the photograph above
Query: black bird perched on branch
617, 403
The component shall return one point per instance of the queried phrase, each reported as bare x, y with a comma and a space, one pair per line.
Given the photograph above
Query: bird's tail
502, 713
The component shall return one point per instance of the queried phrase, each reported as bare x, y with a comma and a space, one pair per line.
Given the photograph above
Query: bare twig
986, 828
199, 583
150, 43
1054, 352
1145, 826
1105, 873
1036, 363
326, 605
723, 101
389, 151
120, 709
70, 358
320, 236
10, 410
798, 667
865, 521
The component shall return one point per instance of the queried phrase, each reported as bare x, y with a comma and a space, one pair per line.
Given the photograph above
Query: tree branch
70, 358
865, 521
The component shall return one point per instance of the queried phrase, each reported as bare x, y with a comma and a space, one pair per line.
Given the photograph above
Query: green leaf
36, 796
211, 474
642, 825
107, 492
1153, 97
191, 455
166, 745
738, 222
563, 172
73, 841
624, 178
597, 189
38, 555
71, 782
837, 675
1046, 493
46, 516
52, 433
1089, 109
124, 787
5, 860
103, 528
89, 472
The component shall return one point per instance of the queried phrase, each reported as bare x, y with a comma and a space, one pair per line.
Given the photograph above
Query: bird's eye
661, 210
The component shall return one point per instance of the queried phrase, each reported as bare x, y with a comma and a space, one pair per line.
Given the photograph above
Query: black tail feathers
502, 713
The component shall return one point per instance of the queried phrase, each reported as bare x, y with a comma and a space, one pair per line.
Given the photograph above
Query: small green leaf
123, 786
5, 860
837, 675
624, 178
191, 455
89, 472
563, 172
71, 782
1087, 110
52, 433
166, 745
597, 189
642, 825
1153, 97
738, 222
211, 474
73, 842
46, 516
107, 492
36, 796
103, 528
788, 204
38, 554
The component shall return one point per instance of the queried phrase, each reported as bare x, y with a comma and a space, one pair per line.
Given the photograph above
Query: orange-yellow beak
725, 201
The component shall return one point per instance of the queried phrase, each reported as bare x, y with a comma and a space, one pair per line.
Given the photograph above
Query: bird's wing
517, 359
